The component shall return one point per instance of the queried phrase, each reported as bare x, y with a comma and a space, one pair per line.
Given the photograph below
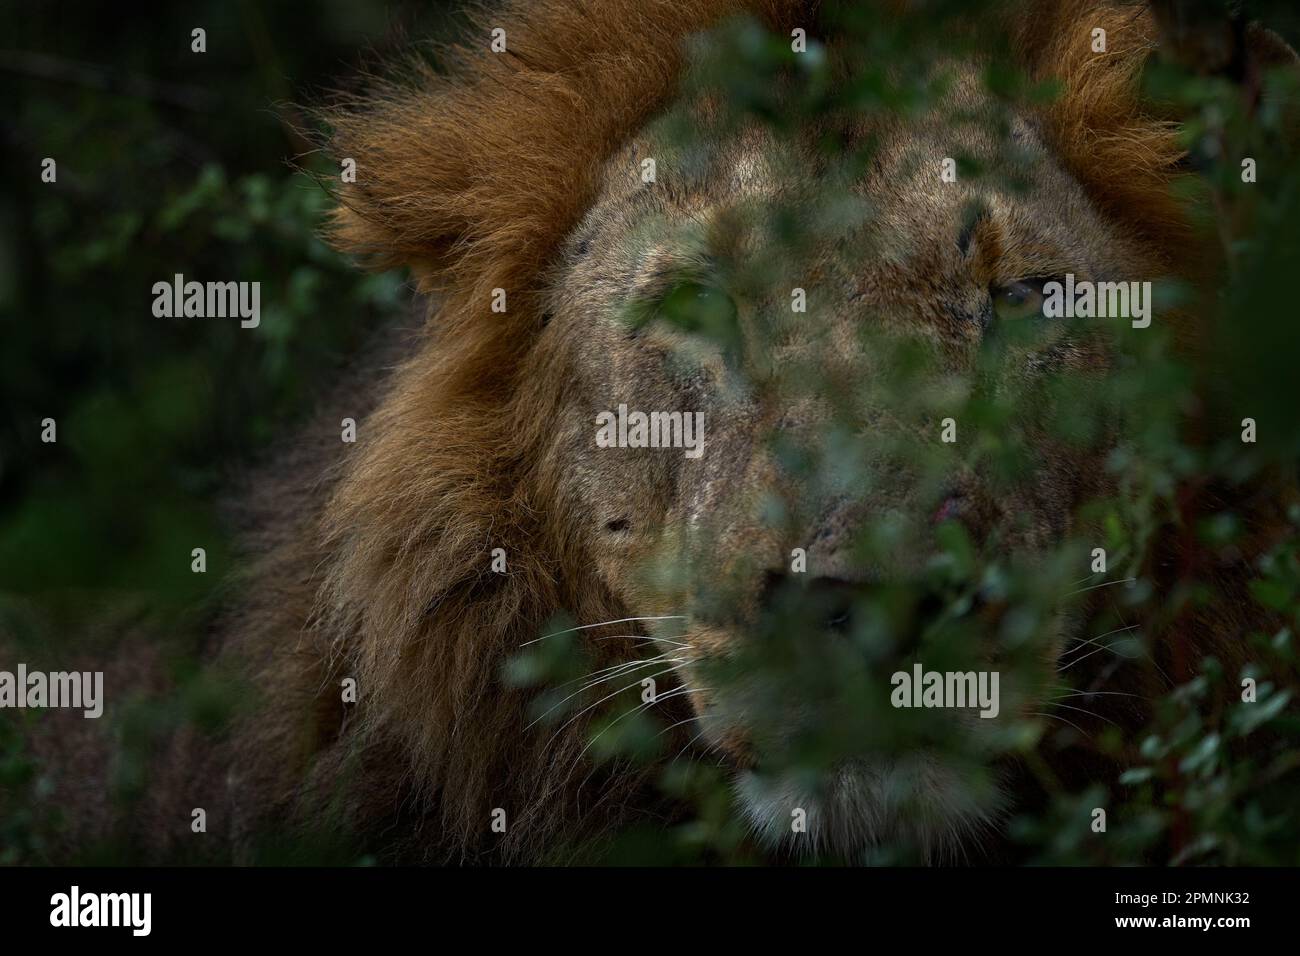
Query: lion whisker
1098, 693
668, 670
614, 667
642, 638
683, 689
1088, 712
642, 707
622, 620
1104, 584
1080, 641
1105, 647
620, 670
674, 726
690, 743
1033, 713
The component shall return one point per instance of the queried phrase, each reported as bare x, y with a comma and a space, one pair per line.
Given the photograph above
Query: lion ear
1210, 41
1268, 49
484, 167
1207, 39
436, 168
473, 174
1101, 125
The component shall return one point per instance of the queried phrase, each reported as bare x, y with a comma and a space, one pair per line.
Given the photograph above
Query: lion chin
916, 802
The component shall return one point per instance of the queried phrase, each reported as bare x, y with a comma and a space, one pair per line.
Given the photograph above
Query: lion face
811, 479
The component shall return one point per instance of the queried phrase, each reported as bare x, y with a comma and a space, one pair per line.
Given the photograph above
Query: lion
486, 180
391, 580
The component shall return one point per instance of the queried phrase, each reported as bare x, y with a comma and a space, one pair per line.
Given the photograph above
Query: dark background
168, 161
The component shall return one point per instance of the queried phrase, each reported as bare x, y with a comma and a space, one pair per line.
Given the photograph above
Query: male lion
476, 509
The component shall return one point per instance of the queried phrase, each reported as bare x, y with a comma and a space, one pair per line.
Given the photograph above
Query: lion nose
953, 507
828, 601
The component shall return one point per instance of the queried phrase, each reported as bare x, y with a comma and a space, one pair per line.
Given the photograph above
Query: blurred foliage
170, 163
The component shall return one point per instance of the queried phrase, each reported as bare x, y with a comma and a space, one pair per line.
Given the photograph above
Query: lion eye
699, 307
1022, 299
